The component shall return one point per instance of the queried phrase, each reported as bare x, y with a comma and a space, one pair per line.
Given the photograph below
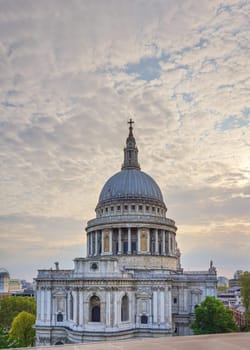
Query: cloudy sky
73, 72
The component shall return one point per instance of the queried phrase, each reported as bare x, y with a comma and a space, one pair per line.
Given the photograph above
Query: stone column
81, 308
155, 304
48, 297
68, 306
75, 315
107, 308
102, 252
42, 303
169, 306
162, 306
174, 245
96, 243
110, 242
185, 300
114, 308
181, 299
38, 301
129, 240
91, 243
119, 241
148, 241
85, 312
163, 242
169, 244
156, 243
138, 241
87, 244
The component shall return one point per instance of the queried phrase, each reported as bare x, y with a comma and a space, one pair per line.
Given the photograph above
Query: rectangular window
153, 208
112, 208
106, 209
125, 207
118, 207
140, 207
147, 208
133, 207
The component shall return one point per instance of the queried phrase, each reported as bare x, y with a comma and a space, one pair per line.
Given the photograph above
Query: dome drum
131, 208
130, 199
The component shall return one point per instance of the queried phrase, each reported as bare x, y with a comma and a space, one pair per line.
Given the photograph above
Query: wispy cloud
71, 74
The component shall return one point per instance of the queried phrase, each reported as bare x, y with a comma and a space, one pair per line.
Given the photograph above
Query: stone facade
131, 283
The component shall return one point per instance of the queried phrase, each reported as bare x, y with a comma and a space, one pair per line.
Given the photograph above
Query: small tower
131, 151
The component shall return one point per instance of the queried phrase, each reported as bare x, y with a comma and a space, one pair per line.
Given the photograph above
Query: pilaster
96, 243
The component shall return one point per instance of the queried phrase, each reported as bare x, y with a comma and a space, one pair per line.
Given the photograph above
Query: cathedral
131, 283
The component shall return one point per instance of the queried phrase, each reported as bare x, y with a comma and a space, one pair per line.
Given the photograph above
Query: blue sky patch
187, 97
145, 69
232, 122
148, 68
246, 112
202, 43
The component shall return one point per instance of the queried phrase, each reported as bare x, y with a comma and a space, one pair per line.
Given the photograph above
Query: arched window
59, 317
71, 307
144, 319
125, 308
95, 309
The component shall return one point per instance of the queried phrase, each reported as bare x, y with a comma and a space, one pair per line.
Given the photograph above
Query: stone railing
54, 274
130, 219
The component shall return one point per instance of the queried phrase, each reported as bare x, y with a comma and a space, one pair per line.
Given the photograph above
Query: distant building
230, 297
131, 283
239, 313
27, 285
237, 274
235, 282
222, 282
15, 285
4, 280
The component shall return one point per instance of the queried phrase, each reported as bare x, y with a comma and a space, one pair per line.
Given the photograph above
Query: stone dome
131, 184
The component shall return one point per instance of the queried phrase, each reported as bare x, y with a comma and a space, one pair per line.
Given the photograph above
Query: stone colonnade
131, 240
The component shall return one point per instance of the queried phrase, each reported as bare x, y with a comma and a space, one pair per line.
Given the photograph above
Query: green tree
10, 307
22, 331
212, 317
245, 293
5, 342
